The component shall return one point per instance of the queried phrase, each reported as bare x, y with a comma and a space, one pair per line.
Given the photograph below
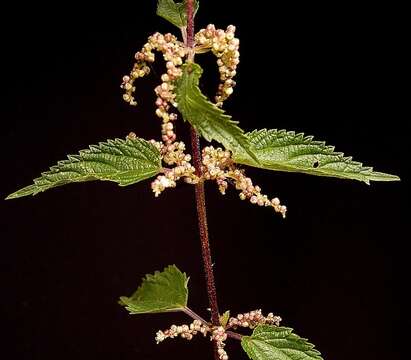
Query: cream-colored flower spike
184, 331
217, 164
253, 319
217, 334
224, 45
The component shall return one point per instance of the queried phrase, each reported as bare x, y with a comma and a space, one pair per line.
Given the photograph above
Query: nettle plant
130, 160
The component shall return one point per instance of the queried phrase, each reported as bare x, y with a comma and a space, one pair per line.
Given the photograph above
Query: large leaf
283, 150
162, 292
278, 343
210, 121
176, 13
122, 161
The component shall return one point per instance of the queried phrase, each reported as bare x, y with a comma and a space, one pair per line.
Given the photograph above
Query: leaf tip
379, 176
122, 300
10, 196
28, 190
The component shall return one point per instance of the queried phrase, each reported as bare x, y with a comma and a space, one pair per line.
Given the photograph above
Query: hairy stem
190, 23
203, 228
200, 196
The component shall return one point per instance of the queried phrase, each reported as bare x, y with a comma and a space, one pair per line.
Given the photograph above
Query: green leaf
162, 292
176, 13
224, 318
278, 343
283, 150
209, 121
122, 161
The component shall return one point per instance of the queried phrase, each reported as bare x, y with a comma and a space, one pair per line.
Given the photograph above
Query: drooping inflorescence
225, 46
217, 164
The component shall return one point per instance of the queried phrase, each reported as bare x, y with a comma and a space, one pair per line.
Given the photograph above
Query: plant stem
190, 23
234, 335
200, 194
200, 197
203, 228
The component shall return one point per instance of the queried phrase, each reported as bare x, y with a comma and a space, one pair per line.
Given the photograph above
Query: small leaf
224, 318
210, 121
278, 343
176, 13
283, 150
162, 292
123, 161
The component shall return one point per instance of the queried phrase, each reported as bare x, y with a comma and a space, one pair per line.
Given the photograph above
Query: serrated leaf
278, 343
125, 162
176, 13
224, 318
209, 121
161, 292
283, 150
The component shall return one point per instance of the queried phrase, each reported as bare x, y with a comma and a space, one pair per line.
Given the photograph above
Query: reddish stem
200, 197
190, 23
203, 228
234, 335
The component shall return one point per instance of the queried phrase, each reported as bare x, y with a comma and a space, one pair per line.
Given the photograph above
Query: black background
332, 269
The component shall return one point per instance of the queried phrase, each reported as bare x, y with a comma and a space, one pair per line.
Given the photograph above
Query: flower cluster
218, 165
217, 334
173, 154
185, 331
224, 46
253, 192
215, 163
252, 319
173, 53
